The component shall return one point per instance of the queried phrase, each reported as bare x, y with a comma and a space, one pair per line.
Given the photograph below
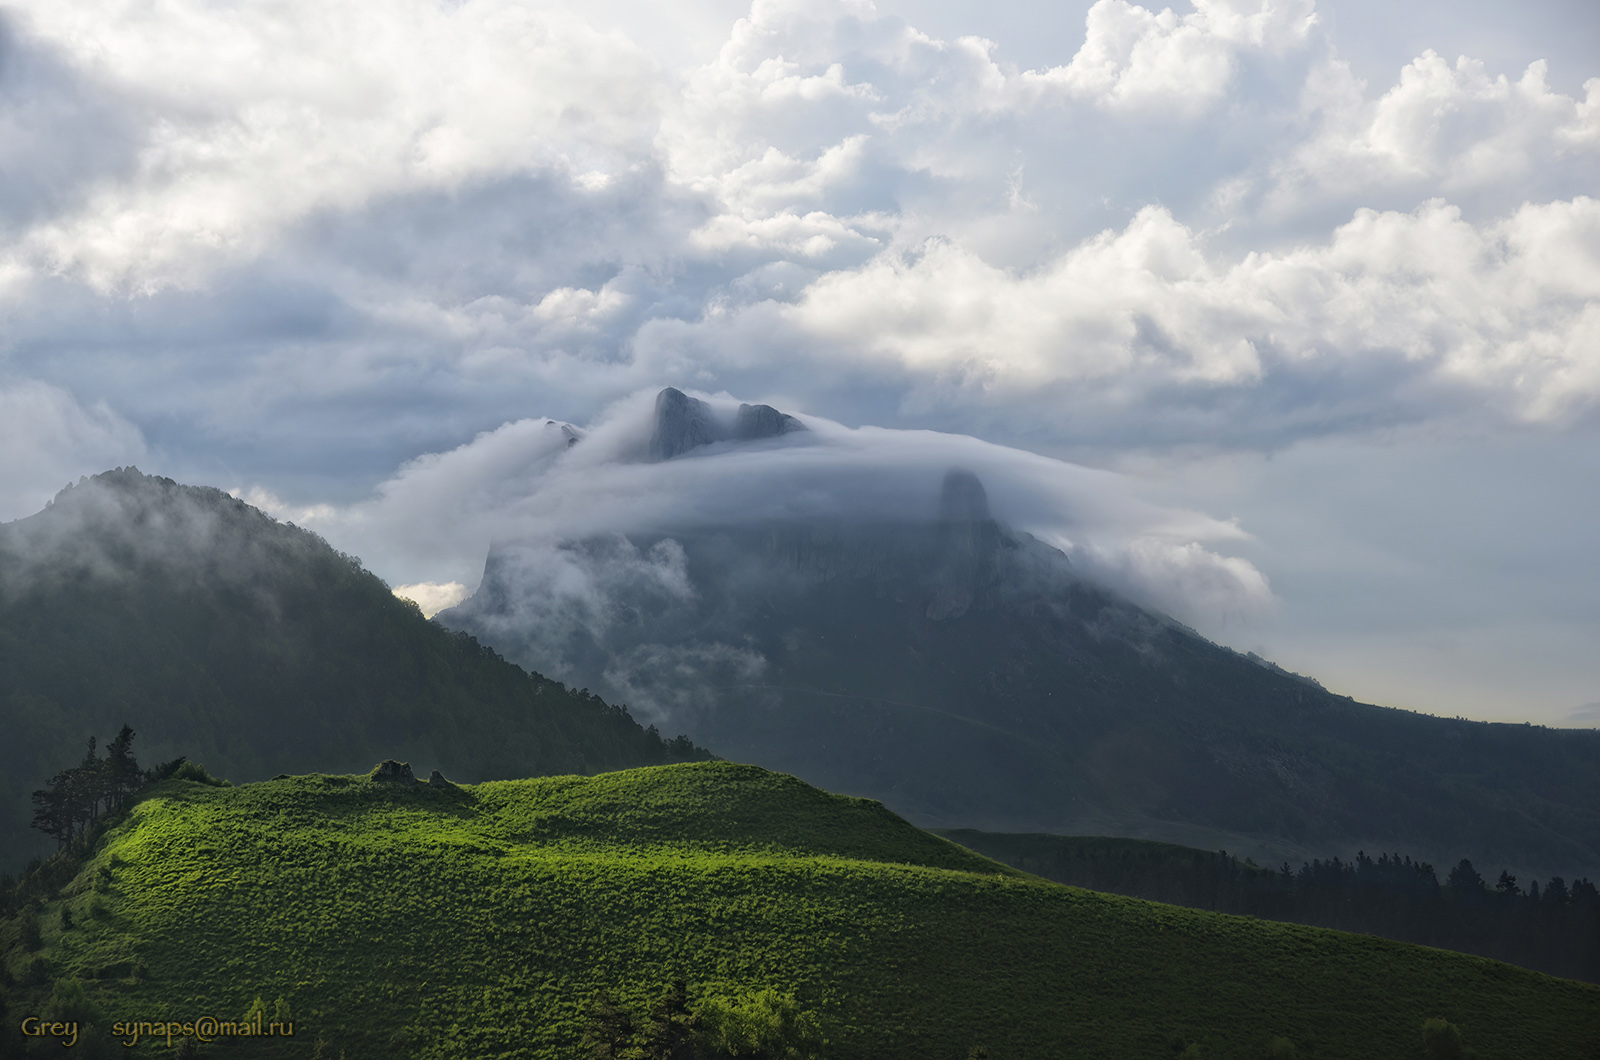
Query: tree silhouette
73, 800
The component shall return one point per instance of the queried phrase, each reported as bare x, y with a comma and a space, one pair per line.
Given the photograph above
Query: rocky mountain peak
683, 423
963, 498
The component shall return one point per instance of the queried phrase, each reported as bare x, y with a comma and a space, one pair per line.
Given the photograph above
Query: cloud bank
547, 485
395, 222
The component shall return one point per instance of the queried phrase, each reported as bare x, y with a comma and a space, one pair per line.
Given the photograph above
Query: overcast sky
1319, 281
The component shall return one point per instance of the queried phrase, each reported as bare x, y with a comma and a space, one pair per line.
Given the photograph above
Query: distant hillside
251, 645
968, 675
407, 920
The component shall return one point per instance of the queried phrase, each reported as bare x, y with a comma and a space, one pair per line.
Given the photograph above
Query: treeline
71, 802
1553, 928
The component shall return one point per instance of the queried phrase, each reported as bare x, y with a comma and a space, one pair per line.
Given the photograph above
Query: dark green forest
1554, 927
252, 645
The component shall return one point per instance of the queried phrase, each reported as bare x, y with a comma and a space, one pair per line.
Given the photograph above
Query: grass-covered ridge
414, 921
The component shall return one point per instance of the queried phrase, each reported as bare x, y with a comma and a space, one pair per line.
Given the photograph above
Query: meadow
389, 919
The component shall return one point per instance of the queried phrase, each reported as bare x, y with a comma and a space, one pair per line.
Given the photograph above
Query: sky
1290, 310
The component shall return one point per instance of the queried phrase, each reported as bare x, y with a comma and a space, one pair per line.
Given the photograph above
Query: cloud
528, 483
49, 439
433, 597
374, 230
1448, 128
1133, 58
288, 109
1503, 314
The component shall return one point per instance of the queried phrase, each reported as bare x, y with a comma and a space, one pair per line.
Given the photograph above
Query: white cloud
251, 118
1507, 310
433, 597
1448, 127
1134, 58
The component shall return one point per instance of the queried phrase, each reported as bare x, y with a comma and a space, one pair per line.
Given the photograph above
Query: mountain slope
409, 920
251, 645
967, 675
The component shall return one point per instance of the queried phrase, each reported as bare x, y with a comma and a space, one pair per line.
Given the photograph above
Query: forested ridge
1551, 927
216, 631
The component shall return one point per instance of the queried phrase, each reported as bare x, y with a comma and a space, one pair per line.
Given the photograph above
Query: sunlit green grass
484, 921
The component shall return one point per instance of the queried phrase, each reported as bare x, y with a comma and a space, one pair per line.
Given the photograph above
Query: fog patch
49, 438
672, 684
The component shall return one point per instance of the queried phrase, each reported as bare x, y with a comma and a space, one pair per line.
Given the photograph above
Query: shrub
769, 1024
194, 771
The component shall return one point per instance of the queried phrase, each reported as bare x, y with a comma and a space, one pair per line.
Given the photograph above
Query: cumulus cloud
49, 439
1136, 58
245, 120
1449, 127
1506, 311
442, 210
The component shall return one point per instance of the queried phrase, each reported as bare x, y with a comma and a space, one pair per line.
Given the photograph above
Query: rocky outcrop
393, 772
683, 423
763, 421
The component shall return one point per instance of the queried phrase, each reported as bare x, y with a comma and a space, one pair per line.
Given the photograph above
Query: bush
194, 771
769, 1025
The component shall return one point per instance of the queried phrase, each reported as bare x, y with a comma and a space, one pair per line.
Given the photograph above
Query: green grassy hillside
410, 921
252, 645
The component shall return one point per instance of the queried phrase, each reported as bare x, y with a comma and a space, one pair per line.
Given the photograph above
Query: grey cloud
49, 438
60, 132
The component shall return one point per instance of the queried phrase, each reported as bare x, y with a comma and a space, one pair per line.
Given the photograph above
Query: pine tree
122, 769
51, 814
670, 1033
611, 1032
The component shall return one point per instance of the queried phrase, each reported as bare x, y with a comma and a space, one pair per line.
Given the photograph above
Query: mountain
969, 676
386, 918
219, 633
